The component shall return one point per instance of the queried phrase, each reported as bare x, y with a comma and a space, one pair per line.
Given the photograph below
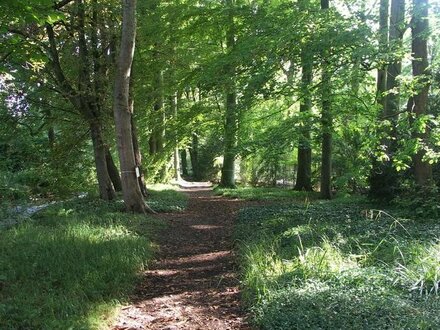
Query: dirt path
193, 284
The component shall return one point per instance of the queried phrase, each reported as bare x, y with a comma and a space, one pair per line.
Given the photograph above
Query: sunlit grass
72, 264
422, 273
336, 265
251, 193
166, 198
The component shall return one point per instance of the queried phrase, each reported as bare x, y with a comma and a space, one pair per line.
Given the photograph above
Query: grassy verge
339, 265
72, 264
250, 193
165, 198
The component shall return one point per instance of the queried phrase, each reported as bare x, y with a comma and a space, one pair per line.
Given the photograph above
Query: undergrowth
70, 265
339, 265
250, 193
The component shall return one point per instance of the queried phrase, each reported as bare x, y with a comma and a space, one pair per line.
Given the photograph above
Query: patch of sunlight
298, 230
161, 186
103, 316
325, 259
422, 273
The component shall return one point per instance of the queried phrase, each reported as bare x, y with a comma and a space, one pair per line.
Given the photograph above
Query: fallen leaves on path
193, 283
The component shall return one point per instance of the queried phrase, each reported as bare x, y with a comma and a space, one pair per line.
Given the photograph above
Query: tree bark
158, 133
194, 156
184, 163
326, 124
231, 116
135, 140
384, 178
138, 155
381, 82
419, 45
113, 170
176, 161
131, 191
304, 173
396, 31
81, 99
106, 190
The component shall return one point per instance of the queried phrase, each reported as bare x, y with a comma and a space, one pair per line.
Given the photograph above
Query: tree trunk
176, 161
384, 178
106, 190
138, 155
51, 137
231, 116
396, 31
135, 140
184, 162
113, 170
194, 156
326, 124
419, 45
381, 82
157, 134
82, 98
131, 191
304, 174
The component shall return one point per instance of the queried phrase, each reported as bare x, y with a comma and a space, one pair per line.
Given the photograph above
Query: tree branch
54, 61
61, 4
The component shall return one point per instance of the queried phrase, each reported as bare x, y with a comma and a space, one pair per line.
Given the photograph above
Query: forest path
193, 282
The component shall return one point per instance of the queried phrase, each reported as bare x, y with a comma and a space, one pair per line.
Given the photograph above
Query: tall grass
337, 265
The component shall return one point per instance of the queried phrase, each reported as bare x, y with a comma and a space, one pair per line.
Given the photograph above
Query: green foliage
338, 265
422, 201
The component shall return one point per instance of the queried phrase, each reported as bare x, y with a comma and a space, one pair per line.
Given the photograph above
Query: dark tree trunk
194, 156
176, 161
396, 31
326, 124
184, 162
419, 45
231, 123
304, 174
157, 135
381, 82
231, 115
113, 170
138, 155
384, 183
51, 137
106, 190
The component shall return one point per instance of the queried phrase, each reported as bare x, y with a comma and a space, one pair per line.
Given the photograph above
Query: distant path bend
193, 283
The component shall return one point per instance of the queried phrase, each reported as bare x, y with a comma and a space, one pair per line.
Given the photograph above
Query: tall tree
384, 179
131, 191
231, 114
83, 97
418, 102
396, 30
381, 81
304, 173
326, 122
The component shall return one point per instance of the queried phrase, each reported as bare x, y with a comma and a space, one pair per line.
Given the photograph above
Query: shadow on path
193, 283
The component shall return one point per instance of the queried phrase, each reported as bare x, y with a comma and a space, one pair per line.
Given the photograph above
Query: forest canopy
332, 96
